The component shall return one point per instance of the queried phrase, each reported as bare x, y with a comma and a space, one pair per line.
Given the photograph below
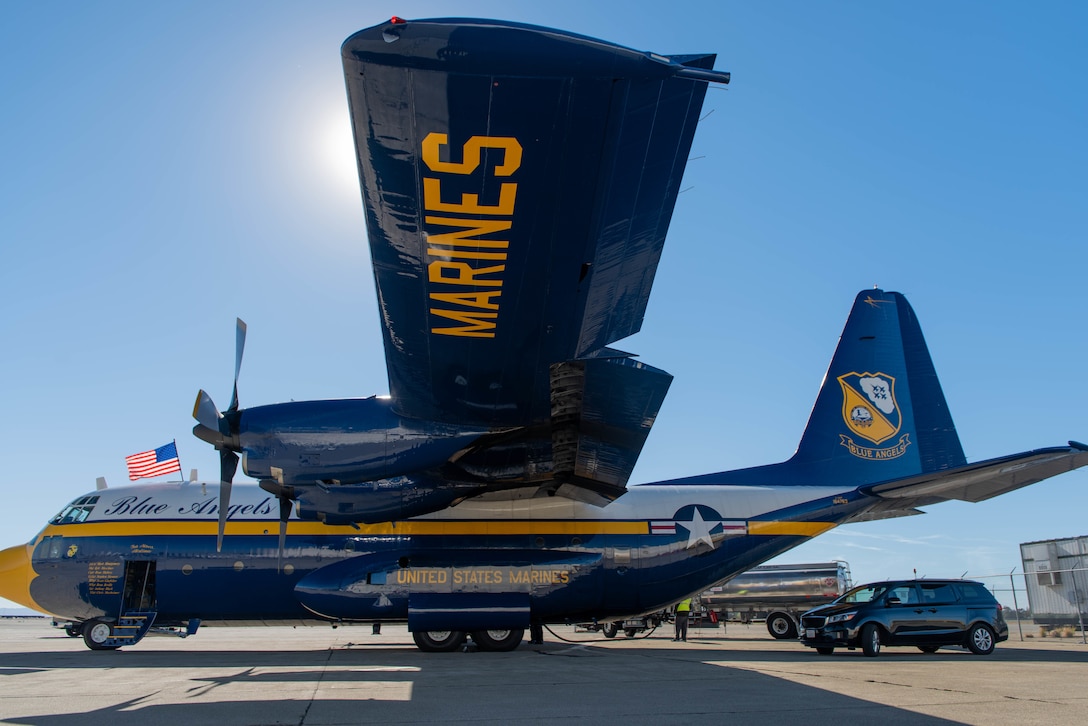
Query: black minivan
922, 613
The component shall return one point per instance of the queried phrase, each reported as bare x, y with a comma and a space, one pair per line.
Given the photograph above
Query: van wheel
438, 641
609, 630
980, 639
823, 650
497, 640
928, 648
781, 626
870, 640
96, 633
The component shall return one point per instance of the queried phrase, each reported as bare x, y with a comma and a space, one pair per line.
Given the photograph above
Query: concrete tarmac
320, 676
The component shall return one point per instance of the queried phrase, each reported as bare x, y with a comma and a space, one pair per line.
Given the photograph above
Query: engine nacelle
345, 440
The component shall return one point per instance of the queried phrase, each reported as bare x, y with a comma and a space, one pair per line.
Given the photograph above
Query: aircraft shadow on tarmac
408, 655
493, 689
525, 685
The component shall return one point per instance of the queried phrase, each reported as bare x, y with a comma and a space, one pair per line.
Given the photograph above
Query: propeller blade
205, 412
285, 514
239, 348
228, 463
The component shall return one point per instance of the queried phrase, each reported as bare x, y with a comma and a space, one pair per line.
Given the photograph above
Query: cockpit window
77, 511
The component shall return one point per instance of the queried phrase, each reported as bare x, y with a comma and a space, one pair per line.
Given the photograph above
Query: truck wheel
630, 632
609, 630
781, 626
497, 640
870, 640
438, 641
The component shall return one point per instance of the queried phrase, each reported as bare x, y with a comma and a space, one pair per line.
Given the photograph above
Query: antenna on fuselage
100, 483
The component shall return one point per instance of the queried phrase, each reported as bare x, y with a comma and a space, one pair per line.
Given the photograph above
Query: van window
863, 594
975, 591
938, 593
906, 593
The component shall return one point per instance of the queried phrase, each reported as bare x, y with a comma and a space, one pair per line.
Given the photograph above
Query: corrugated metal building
1056, 576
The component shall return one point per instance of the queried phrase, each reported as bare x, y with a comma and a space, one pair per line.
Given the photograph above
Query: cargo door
139, 589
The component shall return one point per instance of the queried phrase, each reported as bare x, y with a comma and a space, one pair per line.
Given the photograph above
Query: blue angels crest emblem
870, 411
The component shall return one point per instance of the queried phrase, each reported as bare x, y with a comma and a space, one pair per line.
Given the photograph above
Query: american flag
156, 462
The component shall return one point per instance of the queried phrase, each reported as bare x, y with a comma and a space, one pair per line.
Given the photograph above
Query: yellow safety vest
683, 606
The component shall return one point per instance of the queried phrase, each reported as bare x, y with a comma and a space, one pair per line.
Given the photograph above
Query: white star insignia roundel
698, 530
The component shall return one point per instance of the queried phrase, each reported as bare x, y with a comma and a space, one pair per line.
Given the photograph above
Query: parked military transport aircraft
879, 443
518, 183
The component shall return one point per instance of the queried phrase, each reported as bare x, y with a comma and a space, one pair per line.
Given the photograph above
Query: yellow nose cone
15, 576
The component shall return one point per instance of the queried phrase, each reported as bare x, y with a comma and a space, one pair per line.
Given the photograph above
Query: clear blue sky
167, 167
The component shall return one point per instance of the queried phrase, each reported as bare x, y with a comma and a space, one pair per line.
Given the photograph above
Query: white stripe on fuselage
195, 501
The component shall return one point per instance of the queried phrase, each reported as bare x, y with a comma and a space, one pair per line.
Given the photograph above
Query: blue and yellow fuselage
501, 563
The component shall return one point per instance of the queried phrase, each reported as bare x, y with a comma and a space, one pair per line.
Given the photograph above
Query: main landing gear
446, 641
98, 635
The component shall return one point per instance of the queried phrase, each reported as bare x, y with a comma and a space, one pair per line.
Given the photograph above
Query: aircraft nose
15, 575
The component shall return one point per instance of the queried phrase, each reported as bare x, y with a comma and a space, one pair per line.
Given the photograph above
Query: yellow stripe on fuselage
803, 529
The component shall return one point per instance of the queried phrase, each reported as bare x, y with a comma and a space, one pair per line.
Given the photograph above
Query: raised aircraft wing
518, 183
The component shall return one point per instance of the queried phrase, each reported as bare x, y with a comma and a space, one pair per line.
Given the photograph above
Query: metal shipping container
1056, 576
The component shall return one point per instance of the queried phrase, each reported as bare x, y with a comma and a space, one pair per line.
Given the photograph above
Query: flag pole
181, 471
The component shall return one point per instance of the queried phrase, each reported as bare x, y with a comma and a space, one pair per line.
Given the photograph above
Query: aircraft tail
880, 413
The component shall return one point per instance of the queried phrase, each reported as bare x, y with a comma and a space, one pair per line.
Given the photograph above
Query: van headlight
841, 617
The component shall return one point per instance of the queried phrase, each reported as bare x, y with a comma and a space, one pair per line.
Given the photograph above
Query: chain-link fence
1042, 604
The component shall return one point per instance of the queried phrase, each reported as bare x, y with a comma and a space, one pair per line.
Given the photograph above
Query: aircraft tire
498, 640
74, 630
609, 630
781, 626
870, 640
97, 632
438, 641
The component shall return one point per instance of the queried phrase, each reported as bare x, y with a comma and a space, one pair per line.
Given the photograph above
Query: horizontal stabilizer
986, 479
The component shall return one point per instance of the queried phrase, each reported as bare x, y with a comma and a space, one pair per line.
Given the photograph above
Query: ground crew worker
683, 608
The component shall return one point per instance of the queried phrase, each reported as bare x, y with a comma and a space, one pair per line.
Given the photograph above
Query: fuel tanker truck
777, 594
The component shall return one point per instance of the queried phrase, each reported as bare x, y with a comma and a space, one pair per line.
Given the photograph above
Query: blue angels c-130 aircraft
518, 183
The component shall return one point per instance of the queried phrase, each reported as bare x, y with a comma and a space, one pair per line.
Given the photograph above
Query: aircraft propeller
221, 430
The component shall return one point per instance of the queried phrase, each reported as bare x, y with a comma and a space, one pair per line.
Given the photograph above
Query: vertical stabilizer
880, 413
